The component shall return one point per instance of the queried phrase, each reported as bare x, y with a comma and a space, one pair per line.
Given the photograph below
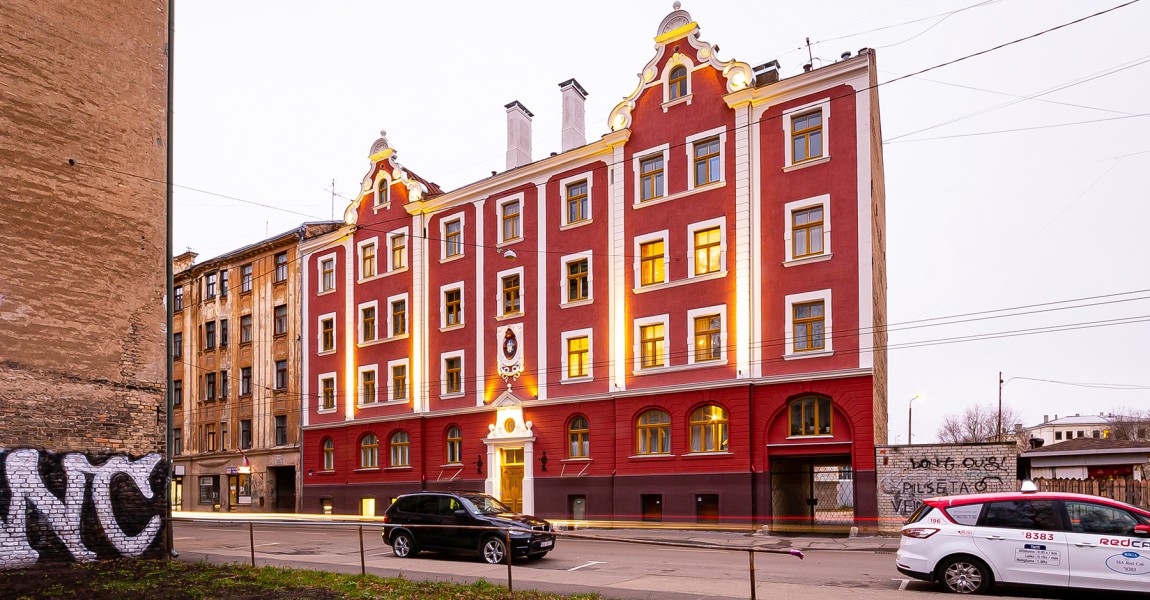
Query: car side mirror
1142, 530
460, 512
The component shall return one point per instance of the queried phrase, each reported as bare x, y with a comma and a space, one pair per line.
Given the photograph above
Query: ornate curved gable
675, 27
384, 164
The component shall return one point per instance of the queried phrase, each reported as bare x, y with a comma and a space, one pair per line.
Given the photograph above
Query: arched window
454, 445
381, 197
400, 449
579, 443
709, 429
369, 452
677, 83
810, 415
653, 433
328, 455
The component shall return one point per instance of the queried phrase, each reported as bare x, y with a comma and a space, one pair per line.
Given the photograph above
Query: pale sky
275, 100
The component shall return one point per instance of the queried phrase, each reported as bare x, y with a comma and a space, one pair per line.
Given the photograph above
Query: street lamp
910, 419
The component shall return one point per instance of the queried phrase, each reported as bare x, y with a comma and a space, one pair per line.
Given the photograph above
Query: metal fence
1130, 491
373, 527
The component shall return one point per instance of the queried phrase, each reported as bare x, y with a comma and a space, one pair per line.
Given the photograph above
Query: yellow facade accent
382, 154
676, 33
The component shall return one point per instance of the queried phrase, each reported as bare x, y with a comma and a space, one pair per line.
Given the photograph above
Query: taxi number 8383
1039, 535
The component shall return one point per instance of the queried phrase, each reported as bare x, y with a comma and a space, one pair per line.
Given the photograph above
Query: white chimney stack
574, 129
518, 134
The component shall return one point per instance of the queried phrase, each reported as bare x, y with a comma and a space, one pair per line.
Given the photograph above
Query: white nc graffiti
64, 516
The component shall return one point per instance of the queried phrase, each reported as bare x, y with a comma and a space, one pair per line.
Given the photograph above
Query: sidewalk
744, 539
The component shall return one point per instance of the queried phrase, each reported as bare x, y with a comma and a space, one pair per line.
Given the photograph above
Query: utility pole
999, 438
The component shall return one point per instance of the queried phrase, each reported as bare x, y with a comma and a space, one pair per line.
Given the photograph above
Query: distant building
236, 379
1090, 458
682, 320
1058, 429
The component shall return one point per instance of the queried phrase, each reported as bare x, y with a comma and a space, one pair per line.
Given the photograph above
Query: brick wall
82, 353
908, 474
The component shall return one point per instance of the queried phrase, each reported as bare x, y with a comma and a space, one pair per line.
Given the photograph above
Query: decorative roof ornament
678, 18
382, 152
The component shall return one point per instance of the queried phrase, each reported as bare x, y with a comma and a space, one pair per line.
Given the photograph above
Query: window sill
708, 454
246, 293
325, 352
651, 456
582, 459
325, 292
680, 100
451, 396
324, 473
509, 316
403, 468
376, 342
576, 303
383, 275
509, 242
375, 208
280, 335
400, 402
670, 284
326, 411
451, 258
452, 466
676, 368
810, 354
810, 437
807, 163
280, 282
245, 344
368, 404
566, 226
446, 328
676, 196
794, 262
366, 470
573, 380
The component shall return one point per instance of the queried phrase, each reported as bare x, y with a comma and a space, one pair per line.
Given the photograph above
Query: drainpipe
169, 441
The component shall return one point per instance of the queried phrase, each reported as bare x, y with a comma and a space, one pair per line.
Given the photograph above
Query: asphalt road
613, 569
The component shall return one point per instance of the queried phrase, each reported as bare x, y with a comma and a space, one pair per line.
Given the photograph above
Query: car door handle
1085, 545
995, 537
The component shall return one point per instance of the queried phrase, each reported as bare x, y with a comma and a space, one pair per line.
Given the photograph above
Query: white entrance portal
510, 432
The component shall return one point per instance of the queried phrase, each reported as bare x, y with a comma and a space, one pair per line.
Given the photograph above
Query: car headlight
920, 533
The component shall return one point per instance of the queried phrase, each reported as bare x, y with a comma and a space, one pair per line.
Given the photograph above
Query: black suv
463, 522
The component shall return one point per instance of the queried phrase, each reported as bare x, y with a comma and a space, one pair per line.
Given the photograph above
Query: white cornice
852, 71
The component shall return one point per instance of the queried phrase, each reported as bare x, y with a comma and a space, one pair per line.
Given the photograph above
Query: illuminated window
651, 177
400, 449
367, 386
369, 452
709, 429
367, 261
653, 351
578, 287
807, 232
806, 136
454, 445
808, 324
577, 205
453, 307
677, 83
708, 250
398, 317
327, 334
578, 353
810, 415
578, 438
653, 433
453, 238
708, 338
327, 393
327, 275
511, 298
398, 251
381, 193
707, 161
652, 263
367, 323
509, 216
453, 372
328, 455
399, 382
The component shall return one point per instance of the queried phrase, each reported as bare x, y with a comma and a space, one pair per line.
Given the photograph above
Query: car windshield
485, 505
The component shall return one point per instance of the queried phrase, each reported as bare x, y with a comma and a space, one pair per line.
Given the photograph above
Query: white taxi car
1030, 538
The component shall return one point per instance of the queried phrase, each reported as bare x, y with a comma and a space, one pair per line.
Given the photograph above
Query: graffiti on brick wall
920, 474
72, 506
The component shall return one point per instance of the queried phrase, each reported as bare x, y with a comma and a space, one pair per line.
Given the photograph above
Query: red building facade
681, 321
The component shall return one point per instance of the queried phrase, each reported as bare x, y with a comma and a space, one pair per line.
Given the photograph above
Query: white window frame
566, 181
719, 309
443, 289
462, 218
376, 204
391, 235
443, 374
361, 401
578, 333
788, 229
359, 322
499, 204
522, 294
637, 347
789, 329
788, 128
665, 80
637, 158
403, 362
693, 228
638, 266
334, 273
391, 317
334, 334
563, 290
359, 258
334, 377
721, 133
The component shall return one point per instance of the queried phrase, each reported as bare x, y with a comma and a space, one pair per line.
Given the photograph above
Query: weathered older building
83, 143
235, 376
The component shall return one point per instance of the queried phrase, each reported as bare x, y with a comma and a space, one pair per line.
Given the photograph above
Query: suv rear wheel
403, 545
494, 550
964, 575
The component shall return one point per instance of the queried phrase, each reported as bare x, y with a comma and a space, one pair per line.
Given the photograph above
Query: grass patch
147, 579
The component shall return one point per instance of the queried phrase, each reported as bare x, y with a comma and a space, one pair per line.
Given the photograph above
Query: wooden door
511, 479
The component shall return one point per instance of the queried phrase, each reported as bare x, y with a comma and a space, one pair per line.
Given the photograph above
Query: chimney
574, 130
1045, 418
518, 134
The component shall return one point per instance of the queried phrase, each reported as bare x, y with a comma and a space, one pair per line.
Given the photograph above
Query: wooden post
362, 560
252, 541
751, 557
510, 590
